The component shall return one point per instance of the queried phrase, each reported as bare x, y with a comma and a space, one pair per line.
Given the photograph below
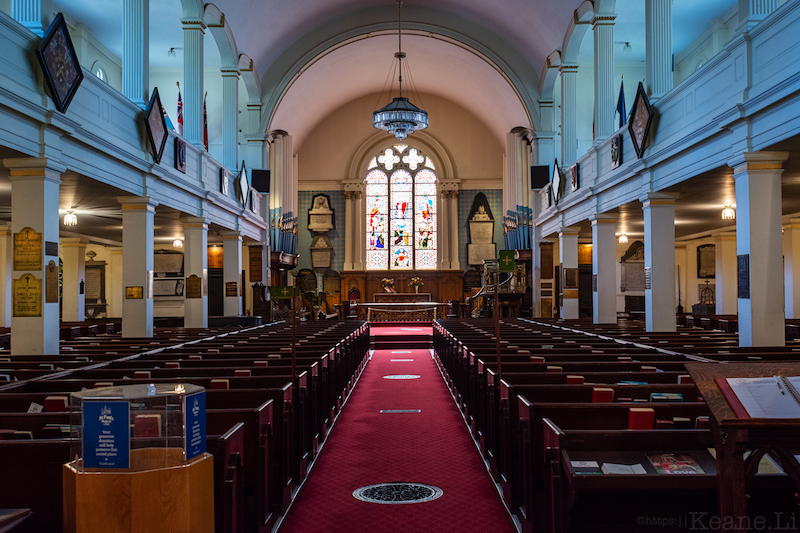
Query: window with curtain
401, 210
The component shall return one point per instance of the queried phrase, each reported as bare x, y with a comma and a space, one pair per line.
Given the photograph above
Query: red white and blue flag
180, 110
205, 122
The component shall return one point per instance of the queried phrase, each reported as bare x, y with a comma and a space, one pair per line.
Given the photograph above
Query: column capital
569, 231
725, 236
603, 20
27, 166
747, 161
793, 223
193, 24
232, 235
137, 202
74, 242
681, 244
349, 195
230, 73
658, 198
603, 218
352, 185
570, 69
194, 222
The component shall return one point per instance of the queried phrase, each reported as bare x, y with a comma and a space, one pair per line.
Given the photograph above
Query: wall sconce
623, 239
70, 219
728, 213
177, 243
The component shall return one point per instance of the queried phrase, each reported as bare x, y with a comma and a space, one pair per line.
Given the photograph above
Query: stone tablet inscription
51, 283
194, 286
27, 250
27, 296
94, 283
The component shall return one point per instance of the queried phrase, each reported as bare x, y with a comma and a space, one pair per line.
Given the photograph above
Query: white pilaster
444, 230
138, 215
349, 231
791, 268
230, 119
6, 265
568, 259
34, 204
73, 303
455, 262
658, 47
232, 271
136, 51
659, 260
758, 242
604, 97
725, 273
569, 115
360, 245
195, 262
193, 34
115, 283
36, 15
604, 268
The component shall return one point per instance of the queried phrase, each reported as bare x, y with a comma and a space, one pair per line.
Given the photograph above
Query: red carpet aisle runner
394, 331
431, 447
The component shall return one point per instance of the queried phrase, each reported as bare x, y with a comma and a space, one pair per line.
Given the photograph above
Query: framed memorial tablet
59, 62
180, 155
155, 126
223, 181
641, 119
27, 296
27, 250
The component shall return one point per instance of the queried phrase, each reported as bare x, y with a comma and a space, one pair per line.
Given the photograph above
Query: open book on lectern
767, 397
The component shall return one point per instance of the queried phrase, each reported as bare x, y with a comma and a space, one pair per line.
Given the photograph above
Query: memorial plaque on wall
306, 280
27, 297
169, 263
331, 282
51, 248
255, 263
231, 288
150, 283
134, 293
27, 250
647, 286
743, 271
194, 286
51, 283
546, 260
94, 284
594, 282
472, 280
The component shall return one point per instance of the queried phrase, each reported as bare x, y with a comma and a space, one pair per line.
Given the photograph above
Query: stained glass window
401, 211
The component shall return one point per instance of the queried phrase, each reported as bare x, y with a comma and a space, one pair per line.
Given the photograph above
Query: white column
568, 259
36, 15
604, 97
752, 12
758, 246
659, 261
195, 263
604, 268
791, 268
232, 271
349, 231
6, 265
138, 214
658, 47
445, 230
455, 263
193, 33
114, 284
73, 302
136, 51
230, 119
34, 204
359, 250
569, 115
725, 273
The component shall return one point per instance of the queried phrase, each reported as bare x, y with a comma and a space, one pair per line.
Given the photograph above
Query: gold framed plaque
27, 250
27, 296
231, 288
194, 286
51, 282
134, 293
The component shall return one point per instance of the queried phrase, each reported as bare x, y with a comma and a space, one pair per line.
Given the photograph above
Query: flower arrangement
416, 282
388, 284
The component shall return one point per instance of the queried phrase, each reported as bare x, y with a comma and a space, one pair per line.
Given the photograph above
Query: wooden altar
401, 297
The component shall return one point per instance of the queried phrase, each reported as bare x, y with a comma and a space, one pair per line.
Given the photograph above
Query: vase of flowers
388, 284
416, 283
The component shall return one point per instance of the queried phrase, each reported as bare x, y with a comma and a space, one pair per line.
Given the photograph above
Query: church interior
514, 263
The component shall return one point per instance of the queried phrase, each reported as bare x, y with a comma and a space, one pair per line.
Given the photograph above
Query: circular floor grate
397, 493
402, 376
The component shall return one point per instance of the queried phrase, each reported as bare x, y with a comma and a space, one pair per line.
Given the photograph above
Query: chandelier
401, 118
70, 219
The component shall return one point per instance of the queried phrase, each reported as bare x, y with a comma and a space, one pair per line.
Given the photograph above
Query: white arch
214, 19
250, 78
549, 75
576, 30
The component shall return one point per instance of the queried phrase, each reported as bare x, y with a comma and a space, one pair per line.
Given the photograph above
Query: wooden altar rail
400, 311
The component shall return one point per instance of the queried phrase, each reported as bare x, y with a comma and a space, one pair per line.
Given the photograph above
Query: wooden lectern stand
733, 436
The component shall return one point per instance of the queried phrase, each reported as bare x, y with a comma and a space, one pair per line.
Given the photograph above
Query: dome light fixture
177, 243
70, 219
623, 239
401, 118
728, 213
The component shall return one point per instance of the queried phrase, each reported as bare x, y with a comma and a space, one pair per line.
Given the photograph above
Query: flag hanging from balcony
180, 110
621, 103
205, 122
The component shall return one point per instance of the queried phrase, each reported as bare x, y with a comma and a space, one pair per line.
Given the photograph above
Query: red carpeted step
367, 447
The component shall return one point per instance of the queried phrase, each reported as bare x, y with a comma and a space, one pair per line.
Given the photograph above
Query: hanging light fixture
177, 243
623, 239
401, 118
728, 213
70, 219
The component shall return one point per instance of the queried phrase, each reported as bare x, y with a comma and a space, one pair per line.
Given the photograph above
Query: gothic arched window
401, 210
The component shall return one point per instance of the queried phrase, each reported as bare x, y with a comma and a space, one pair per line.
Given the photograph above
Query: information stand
140, 461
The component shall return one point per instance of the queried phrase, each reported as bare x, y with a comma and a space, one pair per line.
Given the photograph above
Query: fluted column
359, 248
136, 51
445, 230
36, 15
349, 229
455, 262
193, 34
230, 118
569, 115
658, 47
752, 12
604, 97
